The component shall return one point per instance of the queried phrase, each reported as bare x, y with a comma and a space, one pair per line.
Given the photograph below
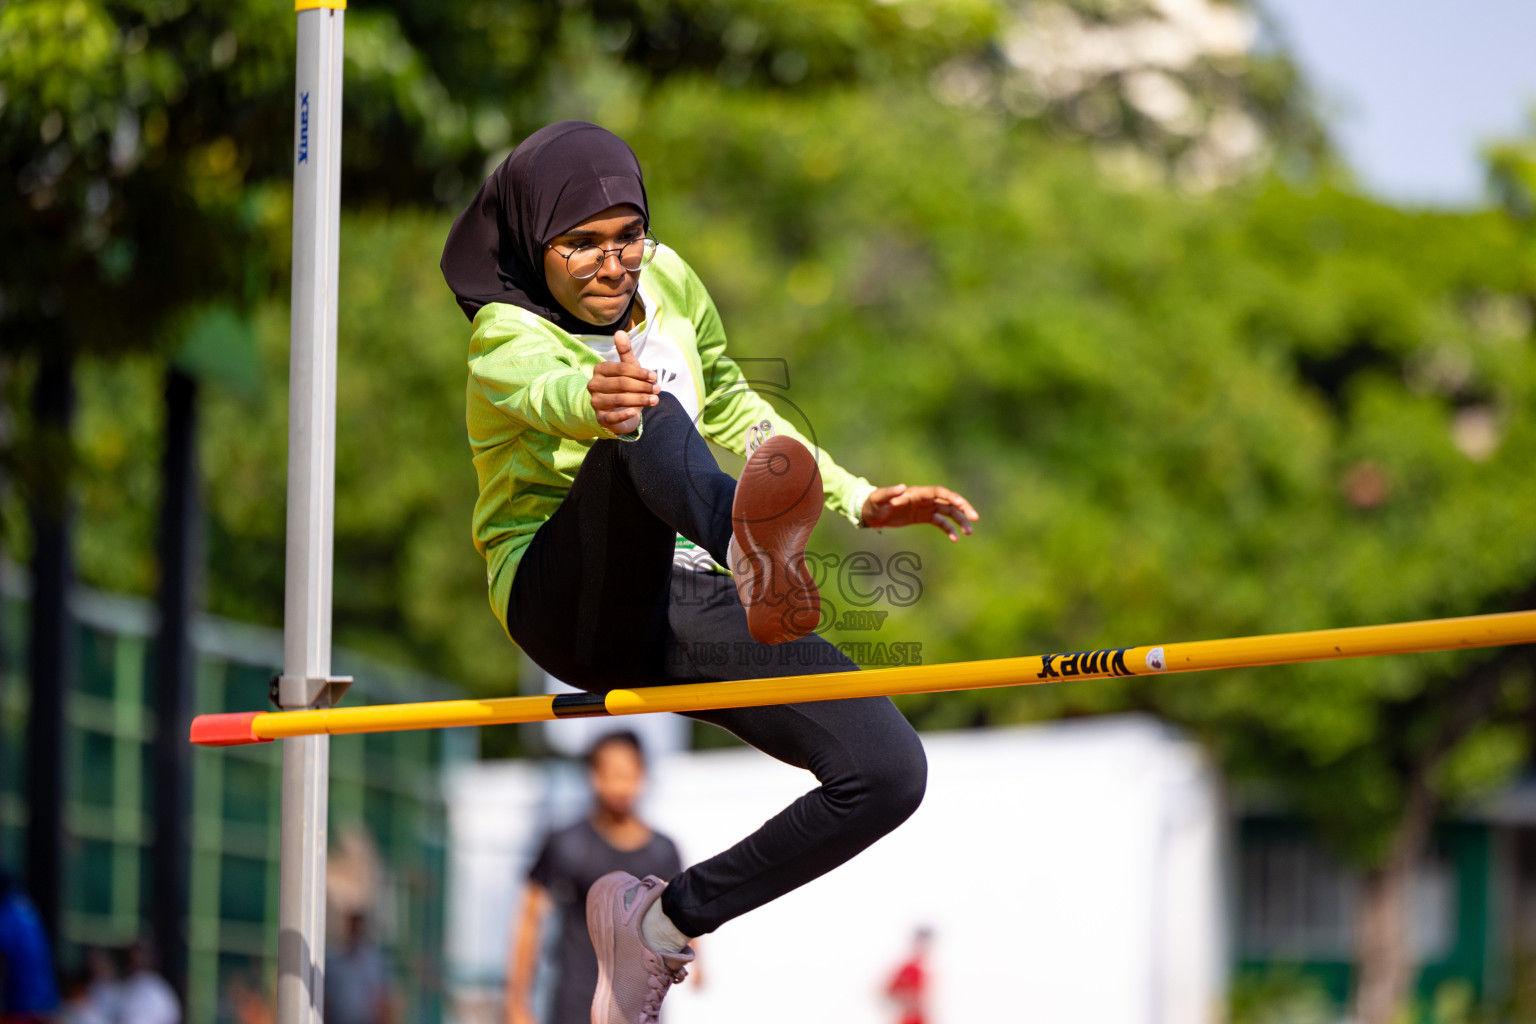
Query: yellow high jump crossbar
235, 728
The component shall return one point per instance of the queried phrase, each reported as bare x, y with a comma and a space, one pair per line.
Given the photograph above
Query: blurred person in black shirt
611, 838
357, 977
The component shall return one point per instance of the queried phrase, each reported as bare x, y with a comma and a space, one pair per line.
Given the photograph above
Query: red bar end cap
227, 730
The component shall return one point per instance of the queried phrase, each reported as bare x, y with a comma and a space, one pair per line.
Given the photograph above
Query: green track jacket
531, 421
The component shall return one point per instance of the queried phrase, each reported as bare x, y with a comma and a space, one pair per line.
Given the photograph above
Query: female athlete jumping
597, 370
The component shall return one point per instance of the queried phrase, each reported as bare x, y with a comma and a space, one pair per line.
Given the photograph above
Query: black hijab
556, 178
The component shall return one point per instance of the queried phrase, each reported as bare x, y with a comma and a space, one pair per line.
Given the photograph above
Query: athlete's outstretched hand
619, 390
905, 506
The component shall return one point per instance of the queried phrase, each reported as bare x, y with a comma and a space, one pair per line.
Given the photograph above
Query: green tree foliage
1512, 173
120, 131
147, 145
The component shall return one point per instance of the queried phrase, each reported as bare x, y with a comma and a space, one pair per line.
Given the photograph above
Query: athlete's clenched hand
619, 390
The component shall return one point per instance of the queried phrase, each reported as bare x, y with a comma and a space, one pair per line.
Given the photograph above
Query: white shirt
146, 998
656, 350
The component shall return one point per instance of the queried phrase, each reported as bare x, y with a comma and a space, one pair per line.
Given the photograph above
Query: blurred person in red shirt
909, 985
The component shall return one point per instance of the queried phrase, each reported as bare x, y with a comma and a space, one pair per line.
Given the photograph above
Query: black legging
597, 603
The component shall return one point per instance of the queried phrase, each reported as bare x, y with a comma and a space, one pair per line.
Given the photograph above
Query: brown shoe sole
777, 504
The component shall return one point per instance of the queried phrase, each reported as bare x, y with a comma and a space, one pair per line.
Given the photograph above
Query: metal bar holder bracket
289, 692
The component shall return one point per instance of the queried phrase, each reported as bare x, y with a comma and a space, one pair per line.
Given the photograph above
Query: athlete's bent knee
896, 789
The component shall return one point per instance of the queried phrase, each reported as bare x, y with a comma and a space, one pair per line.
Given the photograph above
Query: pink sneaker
632, 978
778, 500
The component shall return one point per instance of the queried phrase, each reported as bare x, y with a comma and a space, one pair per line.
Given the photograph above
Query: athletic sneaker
632, 978
778, 500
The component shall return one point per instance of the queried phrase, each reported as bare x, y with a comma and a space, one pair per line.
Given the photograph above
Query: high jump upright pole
306, 681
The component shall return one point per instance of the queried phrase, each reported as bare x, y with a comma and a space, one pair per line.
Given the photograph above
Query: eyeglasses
585, 261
